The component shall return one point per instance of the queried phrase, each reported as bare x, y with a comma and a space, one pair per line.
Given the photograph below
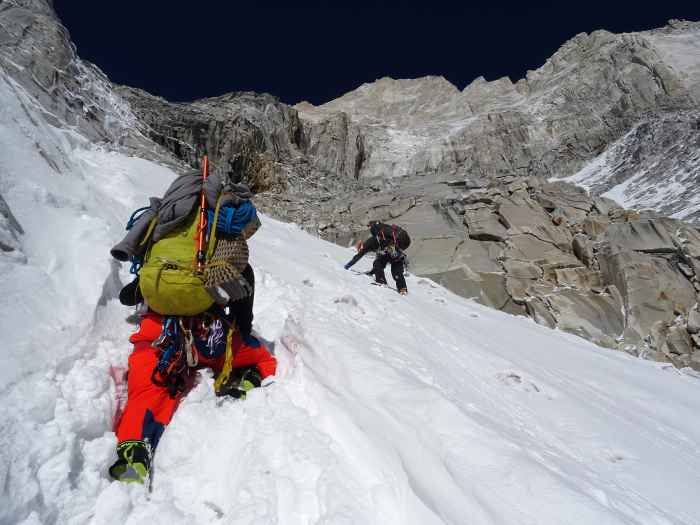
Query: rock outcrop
243, 133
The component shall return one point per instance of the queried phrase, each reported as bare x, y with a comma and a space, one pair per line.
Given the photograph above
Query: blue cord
136, 264
132, 220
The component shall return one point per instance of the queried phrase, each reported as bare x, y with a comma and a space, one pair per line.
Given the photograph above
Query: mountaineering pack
190, 246
173, 276
169, 280
403, 240
387, 235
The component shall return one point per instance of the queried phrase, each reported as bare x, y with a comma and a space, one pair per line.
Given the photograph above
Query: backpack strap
148, 237
223, 378
379, 242
212, 235
149, 231
137, 260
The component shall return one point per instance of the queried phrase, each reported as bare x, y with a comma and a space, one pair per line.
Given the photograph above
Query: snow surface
394, 410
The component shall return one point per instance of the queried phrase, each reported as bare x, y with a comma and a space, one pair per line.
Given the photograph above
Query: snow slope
394, 410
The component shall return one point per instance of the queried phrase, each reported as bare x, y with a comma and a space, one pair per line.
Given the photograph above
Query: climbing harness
172, 364
183, 339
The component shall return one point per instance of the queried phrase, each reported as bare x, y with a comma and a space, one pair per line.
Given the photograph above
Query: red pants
150, 407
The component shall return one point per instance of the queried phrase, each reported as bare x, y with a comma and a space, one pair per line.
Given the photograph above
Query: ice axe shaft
202, 227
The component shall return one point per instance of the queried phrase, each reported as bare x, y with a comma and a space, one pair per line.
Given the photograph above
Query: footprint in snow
215, 508
616, 458
516, 381
348, 305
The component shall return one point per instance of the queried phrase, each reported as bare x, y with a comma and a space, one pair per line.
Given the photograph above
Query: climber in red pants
154, 394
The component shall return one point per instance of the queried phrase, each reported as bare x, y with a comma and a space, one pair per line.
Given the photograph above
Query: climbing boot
134, 463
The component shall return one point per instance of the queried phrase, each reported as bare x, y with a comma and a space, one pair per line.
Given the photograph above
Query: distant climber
189, 253
389, 243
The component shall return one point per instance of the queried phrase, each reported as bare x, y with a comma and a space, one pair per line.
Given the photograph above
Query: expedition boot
134, 463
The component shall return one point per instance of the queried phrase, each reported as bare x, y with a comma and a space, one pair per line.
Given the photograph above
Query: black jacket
383, 236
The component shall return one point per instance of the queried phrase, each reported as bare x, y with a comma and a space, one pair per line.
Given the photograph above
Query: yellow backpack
169, 280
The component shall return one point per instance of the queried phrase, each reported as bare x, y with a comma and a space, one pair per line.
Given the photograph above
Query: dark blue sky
183, 50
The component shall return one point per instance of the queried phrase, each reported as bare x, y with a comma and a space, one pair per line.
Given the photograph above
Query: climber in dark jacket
389, 243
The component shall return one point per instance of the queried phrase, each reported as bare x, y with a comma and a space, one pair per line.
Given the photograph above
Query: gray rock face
484, 225
652, 289
694, 320
35, 49
583, 98
647, 236
243, 133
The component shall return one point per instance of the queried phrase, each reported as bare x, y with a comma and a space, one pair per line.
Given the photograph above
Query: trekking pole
202, 227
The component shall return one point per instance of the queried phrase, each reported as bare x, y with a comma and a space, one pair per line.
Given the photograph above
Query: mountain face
591, 92
36, 52
472, 174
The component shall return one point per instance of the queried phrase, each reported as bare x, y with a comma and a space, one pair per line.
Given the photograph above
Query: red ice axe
202, 227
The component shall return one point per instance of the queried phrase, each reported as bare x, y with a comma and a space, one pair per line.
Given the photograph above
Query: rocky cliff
551, 123
470, 173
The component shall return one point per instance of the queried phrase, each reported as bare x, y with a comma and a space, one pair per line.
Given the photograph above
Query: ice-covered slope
427, 409
423, 409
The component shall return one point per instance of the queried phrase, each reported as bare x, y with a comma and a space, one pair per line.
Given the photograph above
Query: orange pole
202, 227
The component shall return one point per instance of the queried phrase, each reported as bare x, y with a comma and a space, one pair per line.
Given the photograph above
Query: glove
242, 381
